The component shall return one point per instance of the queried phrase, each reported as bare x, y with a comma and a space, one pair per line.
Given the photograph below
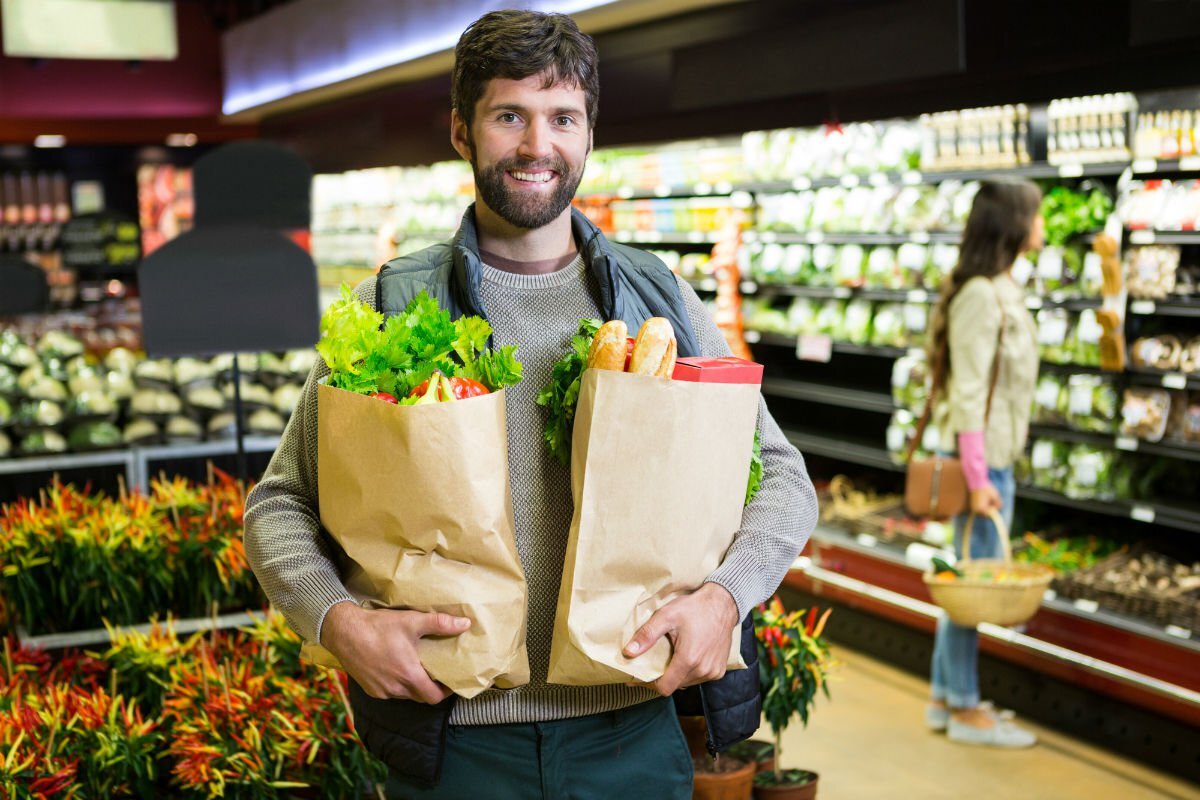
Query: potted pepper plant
794, 663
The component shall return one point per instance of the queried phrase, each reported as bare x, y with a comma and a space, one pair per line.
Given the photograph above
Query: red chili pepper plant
794, 662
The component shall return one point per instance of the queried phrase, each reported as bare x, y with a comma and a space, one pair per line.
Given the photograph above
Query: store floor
869, 742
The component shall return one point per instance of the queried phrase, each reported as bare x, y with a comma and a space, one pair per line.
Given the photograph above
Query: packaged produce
848, 269
141, 431
254, 395
830, 316
888, 326
1145, 412
1090, 474
883, 269
264, 422
46, 388
856, 324
284, 399
8, 381
1091, 276
824, 256
916, 322
1048, 462
119, 385
120, 359
39, 414
15, 352
1157, 352
190, 372
42, 442
6, 412
1055, 335
759, 315
156, 403
92, 406
943, 258
180, 430
911, 259
1150, 271
1189, 358
56, 344
802, 316
1091, 404
154, 374
910, 381
96, 435
207, 399
5, 445
1050, 400
1086, 347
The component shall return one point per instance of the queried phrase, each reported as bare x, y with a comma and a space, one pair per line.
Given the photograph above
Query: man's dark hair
515, 44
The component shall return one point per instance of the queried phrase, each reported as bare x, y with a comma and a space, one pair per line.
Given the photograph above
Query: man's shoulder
426, 260
638, 259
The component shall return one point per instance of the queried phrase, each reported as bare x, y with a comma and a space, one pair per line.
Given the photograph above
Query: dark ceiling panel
823, 47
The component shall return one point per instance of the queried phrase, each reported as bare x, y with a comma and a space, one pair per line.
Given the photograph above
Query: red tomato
629, 342
385, 397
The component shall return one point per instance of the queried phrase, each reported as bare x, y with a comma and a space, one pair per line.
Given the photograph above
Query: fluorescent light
297, 78
181, 140
50, 140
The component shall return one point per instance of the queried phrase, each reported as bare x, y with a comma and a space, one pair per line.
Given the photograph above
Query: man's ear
460, 136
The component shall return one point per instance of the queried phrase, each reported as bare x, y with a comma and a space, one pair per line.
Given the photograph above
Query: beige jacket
973, 328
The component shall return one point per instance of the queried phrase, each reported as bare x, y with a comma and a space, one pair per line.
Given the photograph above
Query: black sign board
103, 242
252, 183
23, 287
228, 289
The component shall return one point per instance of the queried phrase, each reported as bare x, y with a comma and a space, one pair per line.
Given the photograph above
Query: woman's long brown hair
997, 228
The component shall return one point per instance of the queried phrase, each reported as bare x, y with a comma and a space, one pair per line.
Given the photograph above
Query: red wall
189, 86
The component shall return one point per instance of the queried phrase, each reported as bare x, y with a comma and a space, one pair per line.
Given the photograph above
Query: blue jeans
955, 668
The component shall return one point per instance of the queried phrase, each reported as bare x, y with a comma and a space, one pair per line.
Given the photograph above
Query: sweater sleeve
294, 559
778, 521
973, 328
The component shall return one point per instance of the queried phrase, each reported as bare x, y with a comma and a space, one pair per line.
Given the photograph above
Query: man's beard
529, 210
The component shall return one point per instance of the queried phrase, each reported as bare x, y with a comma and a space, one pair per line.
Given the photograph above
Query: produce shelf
101, 636
830, 395
1126, 443
1152, 166
1142, 376
854, 452
818, 237
1171, 307
1163, 237
785, 340
19, 465
671, 238
1121, 657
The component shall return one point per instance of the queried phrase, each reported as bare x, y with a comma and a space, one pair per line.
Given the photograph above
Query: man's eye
564, 121
508, 116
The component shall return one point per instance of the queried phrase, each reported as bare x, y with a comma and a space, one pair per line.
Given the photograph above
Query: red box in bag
718, 370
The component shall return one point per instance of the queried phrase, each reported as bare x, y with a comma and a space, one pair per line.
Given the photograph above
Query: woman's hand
985, 500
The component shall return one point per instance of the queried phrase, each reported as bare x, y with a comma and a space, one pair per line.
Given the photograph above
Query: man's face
528, 147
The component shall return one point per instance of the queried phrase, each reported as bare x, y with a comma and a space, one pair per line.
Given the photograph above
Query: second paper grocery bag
658, 473
418, 498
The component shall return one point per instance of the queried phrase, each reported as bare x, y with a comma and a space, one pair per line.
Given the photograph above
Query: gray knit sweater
299, 566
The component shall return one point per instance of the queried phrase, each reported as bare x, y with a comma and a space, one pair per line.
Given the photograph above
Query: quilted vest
410, 737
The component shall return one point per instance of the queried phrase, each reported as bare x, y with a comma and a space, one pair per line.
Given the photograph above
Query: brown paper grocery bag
418, 498
658, 473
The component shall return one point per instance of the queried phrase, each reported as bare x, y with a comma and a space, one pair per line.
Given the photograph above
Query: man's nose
535, 143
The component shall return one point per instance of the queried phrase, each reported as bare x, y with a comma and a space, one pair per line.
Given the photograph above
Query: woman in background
978, 299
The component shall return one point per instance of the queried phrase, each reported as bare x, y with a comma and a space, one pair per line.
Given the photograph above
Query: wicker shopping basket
992, 590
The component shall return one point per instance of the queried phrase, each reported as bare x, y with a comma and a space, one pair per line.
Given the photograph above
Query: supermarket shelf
1171, 307
1039, 170
60, 641
829, 395
1168, 380
1178, 517
1152, 166
670, 238
854, 452
1164, 237
107, 458
1117, 656
785, 340
798, 290
772, 339
1126, 443
818, 237
1074, 369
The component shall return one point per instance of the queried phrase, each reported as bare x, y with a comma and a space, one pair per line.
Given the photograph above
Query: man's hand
699, 626
985, 500
378, 648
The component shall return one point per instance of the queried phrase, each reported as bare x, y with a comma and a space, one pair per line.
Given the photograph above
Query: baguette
609, 347
655, 349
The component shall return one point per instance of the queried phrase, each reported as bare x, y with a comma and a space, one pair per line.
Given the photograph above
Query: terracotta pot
733, 785
760, 752
790, 791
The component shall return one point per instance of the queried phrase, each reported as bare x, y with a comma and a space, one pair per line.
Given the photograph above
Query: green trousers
637, 752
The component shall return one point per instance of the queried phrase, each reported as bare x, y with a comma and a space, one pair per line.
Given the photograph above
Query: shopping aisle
869, 742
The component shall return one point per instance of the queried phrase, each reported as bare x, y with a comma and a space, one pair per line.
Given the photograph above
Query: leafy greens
365, 354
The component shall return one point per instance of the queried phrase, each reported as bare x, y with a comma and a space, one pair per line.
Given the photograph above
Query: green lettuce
561, 395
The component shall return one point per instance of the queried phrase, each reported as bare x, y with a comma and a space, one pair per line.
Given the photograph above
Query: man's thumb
645, 638
441, 624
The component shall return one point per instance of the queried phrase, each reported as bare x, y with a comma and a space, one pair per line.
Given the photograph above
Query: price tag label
812, 347
1175, 380
1145, 165
1189, 164
662, 190
1058, 298
1141, 237
1042, 455
625, 192
850, 181
920, 237
1178, 632
1070, 171
702, 188
723, 187
842, 293
814, 237
1049, 595
866, 540
1142, 514
1086, 606
1127, 443
1142, 307
911, 178
768, 237
752, 337
695, 237
878, 179
749, 287
918, 296
802, 184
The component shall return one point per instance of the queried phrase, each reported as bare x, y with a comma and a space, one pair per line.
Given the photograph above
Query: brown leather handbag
936, 487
